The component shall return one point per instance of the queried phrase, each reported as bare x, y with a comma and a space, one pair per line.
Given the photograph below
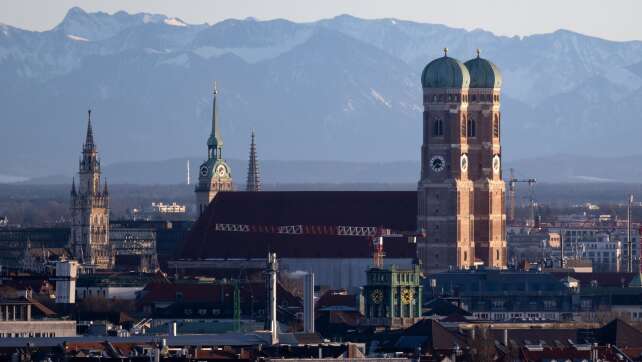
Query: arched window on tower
437, 128
496, 126
463, 127
472, 128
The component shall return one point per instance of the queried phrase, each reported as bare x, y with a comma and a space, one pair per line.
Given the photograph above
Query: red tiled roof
392, 210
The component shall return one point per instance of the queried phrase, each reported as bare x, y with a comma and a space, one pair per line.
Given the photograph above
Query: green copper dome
483, 73
445, 72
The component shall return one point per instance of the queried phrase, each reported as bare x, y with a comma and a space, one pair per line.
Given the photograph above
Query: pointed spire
73, 186
215, 141
105, 189
253, 181
89, 139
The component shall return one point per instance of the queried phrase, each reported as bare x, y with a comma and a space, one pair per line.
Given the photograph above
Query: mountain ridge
342, 88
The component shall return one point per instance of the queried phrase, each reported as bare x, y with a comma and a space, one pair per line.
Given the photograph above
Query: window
438, 128
497, 254
472, 128
465, 256
463, 128
496, 126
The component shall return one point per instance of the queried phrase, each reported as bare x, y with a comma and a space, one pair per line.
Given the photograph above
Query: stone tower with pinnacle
214, 174
253, 180
89, 239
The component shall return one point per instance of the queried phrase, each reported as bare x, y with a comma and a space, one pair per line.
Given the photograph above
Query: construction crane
512, 185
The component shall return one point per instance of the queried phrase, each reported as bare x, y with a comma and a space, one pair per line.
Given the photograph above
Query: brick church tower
214, 175
461, 191
445, 190
90, 242
485, 162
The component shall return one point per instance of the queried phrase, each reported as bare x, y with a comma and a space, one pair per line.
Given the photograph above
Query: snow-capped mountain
340, 89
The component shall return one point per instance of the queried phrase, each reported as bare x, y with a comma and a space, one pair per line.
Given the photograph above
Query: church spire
105, 189
89, 139
215, 141
253, 181
73, 186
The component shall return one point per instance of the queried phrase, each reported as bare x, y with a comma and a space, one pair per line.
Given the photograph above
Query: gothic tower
214, 174
90, 210
445, 191
485, 162
253, 181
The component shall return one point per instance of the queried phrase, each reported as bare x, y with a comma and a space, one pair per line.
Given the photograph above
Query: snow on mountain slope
340, 88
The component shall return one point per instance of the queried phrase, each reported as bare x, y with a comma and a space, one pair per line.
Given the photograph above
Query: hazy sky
611, 19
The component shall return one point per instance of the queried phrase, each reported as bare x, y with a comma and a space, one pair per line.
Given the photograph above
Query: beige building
24, 317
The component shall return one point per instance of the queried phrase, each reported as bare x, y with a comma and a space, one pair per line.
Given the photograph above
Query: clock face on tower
407, 295
204, 170
220, 170
496, 164
463, 163
437, 163
376, 296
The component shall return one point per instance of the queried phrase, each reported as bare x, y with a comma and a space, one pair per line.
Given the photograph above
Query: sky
609, 19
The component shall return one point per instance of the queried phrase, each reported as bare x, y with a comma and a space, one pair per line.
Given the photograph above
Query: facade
214, 174
31, 249
393, 297
604, 253
501, 296
603, 242
253, 182
21, 316
66, 274
160, 211
461, 192
134, 248
89, 238
123, 286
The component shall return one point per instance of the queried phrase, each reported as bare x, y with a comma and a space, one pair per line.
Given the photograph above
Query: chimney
308, 303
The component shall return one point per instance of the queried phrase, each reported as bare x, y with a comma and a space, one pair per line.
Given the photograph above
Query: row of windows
27, 334
437, 98
468, 129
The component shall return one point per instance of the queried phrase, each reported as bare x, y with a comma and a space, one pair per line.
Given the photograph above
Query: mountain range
344, 89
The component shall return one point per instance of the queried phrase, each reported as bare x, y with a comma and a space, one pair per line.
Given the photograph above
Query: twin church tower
461, 191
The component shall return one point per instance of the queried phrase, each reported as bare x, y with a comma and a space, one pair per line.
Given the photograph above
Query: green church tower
393, 297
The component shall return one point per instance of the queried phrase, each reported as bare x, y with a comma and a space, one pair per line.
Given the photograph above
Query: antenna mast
188, 179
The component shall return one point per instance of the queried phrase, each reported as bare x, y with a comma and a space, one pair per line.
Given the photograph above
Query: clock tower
214, 174
393, 297
445, 190
485, 161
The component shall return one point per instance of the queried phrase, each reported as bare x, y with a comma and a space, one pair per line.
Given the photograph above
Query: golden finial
445, 52
478, 52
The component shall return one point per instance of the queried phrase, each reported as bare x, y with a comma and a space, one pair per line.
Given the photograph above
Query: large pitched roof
393, 210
